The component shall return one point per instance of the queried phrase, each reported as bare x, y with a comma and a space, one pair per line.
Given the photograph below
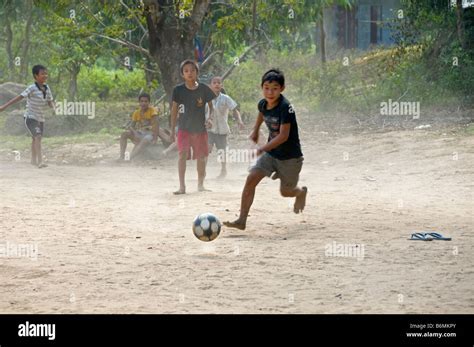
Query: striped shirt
36, 102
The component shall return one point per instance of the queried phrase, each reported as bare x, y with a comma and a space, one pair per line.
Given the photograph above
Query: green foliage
443, 65
99, 83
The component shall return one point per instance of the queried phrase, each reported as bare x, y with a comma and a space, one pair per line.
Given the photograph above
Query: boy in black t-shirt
189, 100
281, 154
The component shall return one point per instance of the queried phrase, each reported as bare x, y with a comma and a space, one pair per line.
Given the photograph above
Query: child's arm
174, 116
239, 119
255, 132
277, 140
211, 114
52, 105
11, 102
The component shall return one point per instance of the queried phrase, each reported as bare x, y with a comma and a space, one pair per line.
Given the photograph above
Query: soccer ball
206, 227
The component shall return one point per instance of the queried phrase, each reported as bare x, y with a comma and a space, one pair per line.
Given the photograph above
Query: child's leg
288, 171
200, 146
183, 156
123, 143
164, 136
299, 193
248, 194
201, 169
223, 147
223, 169
171, 147
39, 155
183, 144
138, 148
33, 152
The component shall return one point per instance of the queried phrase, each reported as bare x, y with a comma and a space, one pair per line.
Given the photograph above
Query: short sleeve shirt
222, 105
144, 121
37, 101
192, 106
282, 113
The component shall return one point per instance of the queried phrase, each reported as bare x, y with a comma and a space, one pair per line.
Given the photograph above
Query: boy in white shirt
220, 126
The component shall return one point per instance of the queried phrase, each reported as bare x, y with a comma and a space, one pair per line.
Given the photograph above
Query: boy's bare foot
34, 163
179, 192
237, 224
42, 165
300, 201
221, 176
202, 189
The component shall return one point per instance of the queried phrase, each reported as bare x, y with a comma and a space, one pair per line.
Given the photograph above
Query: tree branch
92, 14
127, 44
209, 57
242, 56
135, 17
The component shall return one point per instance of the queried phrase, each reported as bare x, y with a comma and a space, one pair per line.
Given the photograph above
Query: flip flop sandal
437, 236
420, 237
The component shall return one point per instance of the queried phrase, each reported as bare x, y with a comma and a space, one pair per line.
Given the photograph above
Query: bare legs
248, 194
36, 154
140, 144
201, 169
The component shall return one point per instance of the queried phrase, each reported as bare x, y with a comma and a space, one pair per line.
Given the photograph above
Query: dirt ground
114, 239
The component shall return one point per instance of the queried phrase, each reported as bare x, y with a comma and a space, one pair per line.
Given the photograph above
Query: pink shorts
196, 141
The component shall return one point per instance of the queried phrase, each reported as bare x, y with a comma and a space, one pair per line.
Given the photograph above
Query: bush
98, 83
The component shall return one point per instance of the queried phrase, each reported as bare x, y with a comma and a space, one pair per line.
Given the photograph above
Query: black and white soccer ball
206, 227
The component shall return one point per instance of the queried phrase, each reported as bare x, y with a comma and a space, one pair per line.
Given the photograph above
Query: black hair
144, 95
274, 75
37, 69
186, 62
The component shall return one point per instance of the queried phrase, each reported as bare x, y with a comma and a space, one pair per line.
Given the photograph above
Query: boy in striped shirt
38, 98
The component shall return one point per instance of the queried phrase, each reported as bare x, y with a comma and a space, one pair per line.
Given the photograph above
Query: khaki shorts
288, 170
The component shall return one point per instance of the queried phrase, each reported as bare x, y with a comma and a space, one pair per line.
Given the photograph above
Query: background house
366, 24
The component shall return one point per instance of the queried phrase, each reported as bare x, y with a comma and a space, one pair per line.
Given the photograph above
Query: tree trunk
26, 41
73, 73
322, 40
150, 74
254, 19
171, 37
9, 40
460, 23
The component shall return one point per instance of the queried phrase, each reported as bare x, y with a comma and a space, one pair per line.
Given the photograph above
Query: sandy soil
113, 239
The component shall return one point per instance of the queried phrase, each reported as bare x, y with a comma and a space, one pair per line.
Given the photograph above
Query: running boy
189, 100
220, 127
38, 97
281, 154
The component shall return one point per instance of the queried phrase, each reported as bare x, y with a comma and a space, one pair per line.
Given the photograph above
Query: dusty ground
113, 239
